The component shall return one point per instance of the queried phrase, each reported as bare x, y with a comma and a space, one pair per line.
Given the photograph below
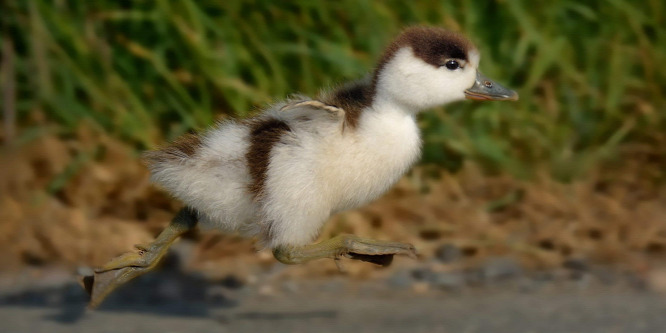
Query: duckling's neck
360, 97
389, 121
384, 104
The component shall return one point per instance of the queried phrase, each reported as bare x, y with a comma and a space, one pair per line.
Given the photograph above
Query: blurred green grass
590, 74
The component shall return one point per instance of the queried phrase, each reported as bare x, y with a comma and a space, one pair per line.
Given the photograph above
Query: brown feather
432, 45
264, 135
352, 98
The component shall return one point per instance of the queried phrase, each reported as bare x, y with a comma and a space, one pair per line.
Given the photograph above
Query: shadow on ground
167, 291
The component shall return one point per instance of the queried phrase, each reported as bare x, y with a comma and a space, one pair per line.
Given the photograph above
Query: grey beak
485, 89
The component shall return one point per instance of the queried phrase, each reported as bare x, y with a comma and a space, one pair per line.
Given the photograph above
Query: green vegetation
591, 74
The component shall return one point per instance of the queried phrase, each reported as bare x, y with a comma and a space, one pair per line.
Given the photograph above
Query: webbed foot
348, 246
130, 265
121, 270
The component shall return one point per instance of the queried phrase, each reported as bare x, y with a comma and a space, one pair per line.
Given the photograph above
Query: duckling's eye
452, 65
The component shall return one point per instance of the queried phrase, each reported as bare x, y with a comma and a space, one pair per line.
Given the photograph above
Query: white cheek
418, 85
450, 85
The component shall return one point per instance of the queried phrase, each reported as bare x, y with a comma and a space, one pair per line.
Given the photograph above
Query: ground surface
497, 297
502, 312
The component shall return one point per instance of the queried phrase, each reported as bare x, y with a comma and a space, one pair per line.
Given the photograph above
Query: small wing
314, 105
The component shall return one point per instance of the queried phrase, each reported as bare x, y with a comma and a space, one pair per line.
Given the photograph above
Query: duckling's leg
349, 246
132, 264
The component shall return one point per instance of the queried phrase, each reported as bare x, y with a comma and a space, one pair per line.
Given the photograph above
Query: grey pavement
482, 311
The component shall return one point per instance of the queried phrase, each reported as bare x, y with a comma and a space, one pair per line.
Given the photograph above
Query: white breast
367, 162
319, 170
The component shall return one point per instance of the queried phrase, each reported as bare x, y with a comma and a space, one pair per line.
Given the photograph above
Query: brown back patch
264, 134
352, 98
182, 148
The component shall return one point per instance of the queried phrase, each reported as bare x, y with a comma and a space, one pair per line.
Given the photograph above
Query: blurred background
564, 184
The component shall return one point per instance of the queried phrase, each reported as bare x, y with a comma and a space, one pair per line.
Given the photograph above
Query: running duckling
279, 176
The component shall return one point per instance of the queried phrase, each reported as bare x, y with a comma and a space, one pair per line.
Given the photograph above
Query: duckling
279, 176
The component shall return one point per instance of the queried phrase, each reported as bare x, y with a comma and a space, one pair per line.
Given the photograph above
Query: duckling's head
426, 67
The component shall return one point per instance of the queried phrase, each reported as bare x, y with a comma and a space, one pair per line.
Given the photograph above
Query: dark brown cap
432, 45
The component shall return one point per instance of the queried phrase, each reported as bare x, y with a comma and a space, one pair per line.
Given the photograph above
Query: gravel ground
498, 296
479, 312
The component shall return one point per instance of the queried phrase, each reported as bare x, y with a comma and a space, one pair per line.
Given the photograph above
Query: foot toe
130, 259
101, 284
379, 252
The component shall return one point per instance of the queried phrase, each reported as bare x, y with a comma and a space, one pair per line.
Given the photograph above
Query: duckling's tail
183, 148
173, 166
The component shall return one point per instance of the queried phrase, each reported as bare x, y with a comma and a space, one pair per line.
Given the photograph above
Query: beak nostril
486, 89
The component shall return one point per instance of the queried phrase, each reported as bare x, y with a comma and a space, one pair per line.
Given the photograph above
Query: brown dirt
86, 199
